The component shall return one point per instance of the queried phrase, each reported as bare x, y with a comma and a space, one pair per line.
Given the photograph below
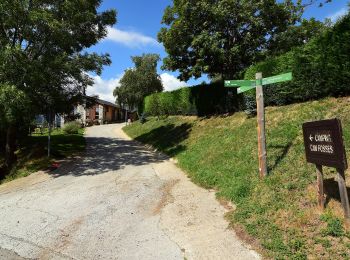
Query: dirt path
119, 201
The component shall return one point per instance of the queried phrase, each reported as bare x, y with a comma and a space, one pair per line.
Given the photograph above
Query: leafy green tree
15, 111
222, 36
139, 82
42, 45
320, 68
126, 94
296, 35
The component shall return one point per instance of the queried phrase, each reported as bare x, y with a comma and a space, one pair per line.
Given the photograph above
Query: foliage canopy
42, 53
222, 36
42, 46
139, 82
320, 68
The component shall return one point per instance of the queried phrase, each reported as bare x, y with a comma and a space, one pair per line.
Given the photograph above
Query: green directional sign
245, 85
244, 89
277, 79
239, 83
264, 81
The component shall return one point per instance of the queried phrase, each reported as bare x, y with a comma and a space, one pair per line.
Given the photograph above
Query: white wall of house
80, 109
101, 114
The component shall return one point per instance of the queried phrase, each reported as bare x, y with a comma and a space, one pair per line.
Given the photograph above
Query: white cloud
335, 16
171, 83
104, 88
130, 39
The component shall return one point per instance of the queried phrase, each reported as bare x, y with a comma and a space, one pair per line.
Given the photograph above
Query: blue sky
136, 33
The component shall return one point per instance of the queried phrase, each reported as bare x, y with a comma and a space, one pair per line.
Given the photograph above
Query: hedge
320, 68
201, 100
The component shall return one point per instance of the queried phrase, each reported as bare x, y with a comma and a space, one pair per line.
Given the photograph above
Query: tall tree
42, 45
222, 36
15, 111
296, 35
139, 82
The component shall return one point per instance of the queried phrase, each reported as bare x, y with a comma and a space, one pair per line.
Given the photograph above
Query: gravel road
119, 200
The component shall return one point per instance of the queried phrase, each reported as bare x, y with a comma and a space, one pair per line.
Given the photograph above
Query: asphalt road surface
119, 200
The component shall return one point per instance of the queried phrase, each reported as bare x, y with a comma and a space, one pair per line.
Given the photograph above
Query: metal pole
261, 126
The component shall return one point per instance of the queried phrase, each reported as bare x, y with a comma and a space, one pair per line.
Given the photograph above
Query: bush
201, 100
71, 127
320, 68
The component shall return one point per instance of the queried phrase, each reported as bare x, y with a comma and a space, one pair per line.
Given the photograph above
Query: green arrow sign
277, 79
239, 83
245, 85
244, 89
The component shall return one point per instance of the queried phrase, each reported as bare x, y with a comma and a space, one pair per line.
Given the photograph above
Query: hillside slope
278, 214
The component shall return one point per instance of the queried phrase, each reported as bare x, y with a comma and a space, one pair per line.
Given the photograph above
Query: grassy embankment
279, 214
32, 156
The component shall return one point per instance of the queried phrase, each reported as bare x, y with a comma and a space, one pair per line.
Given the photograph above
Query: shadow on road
167, 138
108, 154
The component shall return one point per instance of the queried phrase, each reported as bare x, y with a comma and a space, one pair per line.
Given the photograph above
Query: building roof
95, 99
103, 102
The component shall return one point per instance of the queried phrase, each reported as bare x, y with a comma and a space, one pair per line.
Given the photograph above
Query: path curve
118, 201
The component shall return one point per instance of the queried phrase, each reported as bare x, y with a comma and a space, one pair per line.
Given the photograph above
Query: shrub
71, 127
201, 100
320, 68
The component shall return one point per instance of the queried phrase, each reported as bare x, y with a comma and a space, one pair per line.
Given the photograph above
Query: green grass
32, 156
279, 212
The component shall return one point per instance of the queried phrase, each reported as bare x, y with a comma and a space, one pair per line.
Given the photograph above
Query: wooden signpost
324, 146
258, 83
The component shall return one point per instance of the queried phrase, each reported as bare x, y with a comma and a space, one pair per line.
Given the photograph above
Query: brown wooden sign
323, 142
324, 145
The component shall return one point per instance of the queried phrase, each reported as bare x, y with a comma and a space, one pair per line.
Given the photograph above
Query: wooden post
343, 193
319, 173
261, 126
126, 117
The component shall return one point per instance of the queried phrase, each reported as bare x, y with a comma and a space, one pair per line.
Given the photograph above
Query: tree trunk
10, 157
49, 142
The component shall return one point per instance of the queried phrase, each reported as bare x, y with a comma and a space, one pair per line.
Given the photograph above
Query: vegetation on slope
279, 213
32, 156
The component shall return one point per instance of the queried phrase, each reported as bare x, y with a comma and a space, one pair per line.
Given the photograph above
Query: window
97, 112
107, 108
